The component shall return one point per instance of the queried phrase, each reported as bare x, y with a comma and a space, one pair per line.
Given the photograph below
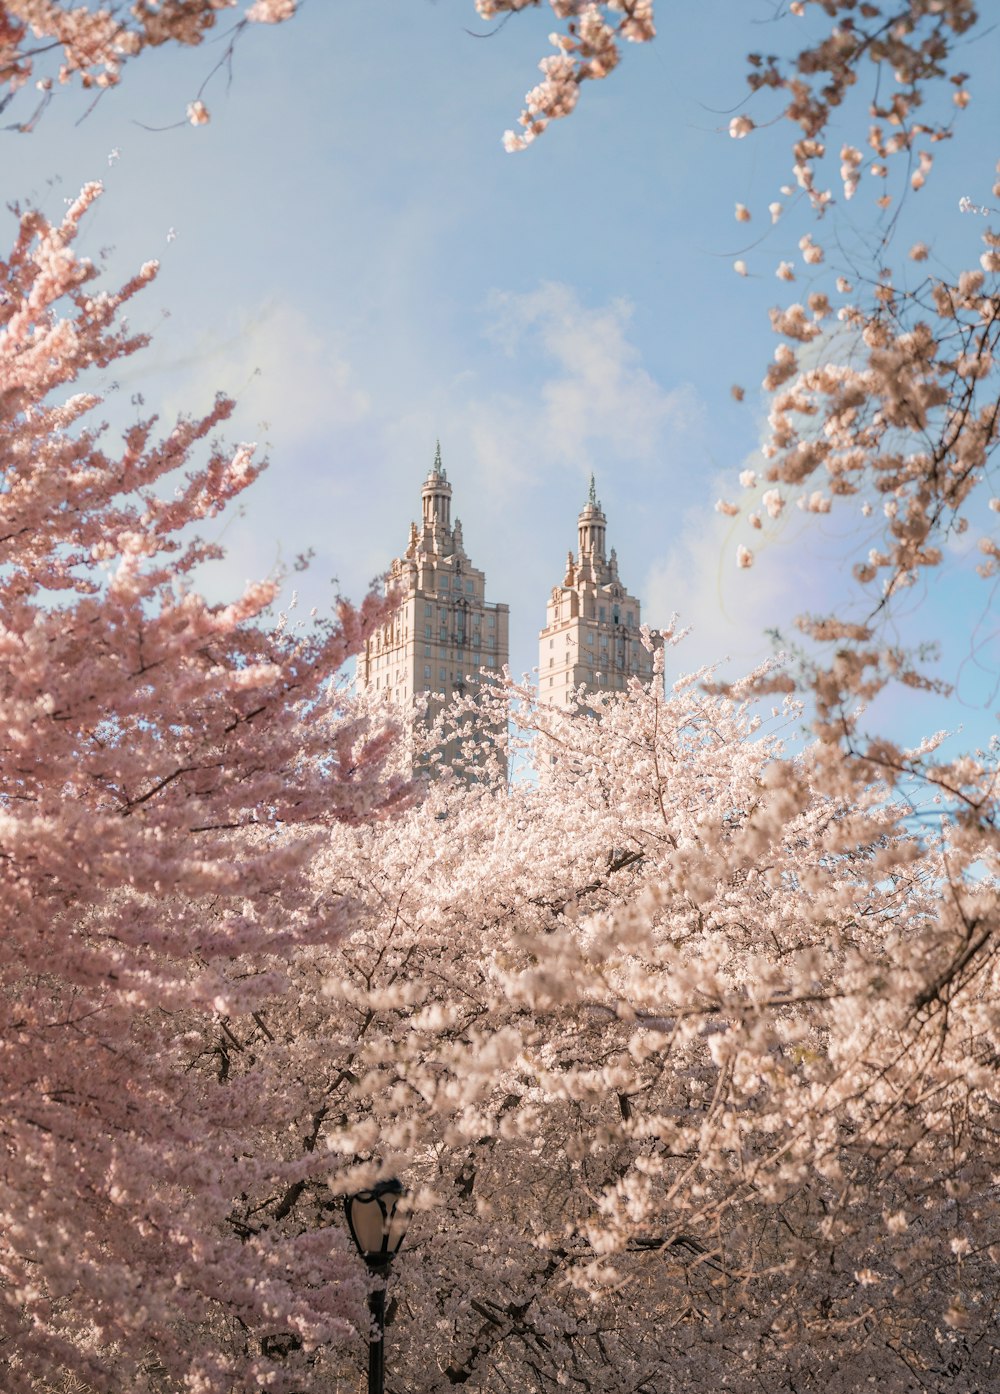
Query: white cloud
593, 403
802, 564
300, 400
799, 566
292, 382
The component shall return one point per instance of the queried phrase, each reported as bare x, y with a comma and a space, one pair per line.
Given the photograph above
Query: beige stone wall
445, 630
591, 633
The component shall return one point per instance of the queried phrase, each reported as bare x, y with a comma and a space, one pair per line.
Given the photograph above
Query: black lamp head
377, 1221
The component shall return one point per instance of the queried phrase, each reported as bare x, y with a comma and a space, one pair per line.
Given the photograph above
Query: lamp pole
376, 1344
377, 1223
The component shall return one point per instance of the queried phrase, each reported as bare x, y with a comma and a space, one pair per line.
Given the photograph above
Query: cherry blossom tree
168, 769
687, 1062
588, 46
94, 42
882, 389
883, 400
882, 392
686, 1046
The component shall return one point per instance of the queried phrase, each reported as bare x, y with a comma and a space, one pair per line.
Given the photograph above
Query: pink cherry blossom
169, 769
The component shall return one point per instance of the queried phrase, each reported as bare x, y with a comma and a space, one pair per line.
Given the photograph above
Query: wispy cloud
593, 404
801, 564
292, 380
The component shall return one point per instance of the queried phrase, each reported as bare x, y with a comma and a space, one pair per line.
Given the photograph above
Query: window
629, 618
444, 583
427, 671
604, 641
552, 643
603, 613
443, 674
616, 614
493, 620
470, 588
428, 609
427, 650
552, 663
427, 631
550, 682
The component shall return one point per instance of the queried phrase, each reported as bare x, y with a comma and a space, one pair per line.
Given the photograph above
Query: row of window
460, 635
602, 615
387, 680
443, 614
390, 636
392, 655
445, 583
397, 631
599, 679
603, 657
590, 642
462, 658
443, 673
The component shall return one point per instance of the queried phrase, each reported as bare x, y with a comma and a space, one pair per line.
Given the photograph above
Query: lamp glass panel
399, 1218
369, 1225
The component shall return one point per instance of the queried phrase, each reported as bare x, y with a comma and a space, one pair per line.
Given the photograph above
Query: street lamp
377, 1223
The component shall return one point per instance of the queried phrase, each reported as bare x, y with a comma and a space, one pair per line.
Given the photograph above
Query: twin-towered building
591, 633
445, 632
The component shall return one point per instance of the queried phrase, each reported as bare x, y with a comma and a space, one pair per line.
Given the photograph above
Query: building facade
591, 633
444, 631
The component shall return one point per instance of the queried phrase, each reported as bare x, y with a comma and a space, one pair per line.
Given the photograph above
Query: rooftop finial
592, 496
437, 460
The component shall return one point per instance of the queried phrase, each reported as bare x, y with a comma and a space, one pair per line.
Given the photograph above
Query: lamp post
377, 1224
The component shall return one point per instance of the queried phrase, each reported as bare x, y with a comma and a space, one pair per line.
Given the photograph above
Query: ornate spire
436, 495
591, 526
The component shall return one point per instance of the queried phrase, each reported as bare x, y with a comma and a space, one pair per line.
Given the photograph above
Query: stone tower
444, 631
591, 633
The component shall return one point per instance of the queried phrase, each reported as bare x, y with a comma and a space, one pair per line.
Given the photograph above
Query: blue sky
348, 249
